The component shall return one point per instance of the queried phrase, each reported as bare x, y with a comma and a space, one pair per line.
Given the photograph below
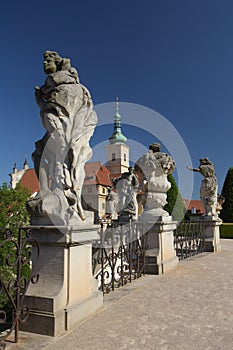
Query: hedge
226, 230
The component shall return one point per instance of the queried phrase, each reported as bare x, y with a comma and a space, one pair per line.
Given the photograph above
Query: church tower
117, 152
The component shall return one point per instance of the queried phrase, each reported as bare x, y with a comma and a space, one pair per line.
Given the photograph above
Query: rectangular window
103, 190
124, 157
103, 205
193, 210
113, 156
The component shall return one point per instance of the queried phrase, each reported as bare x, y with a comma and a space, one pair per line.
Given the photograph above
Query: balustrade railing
16, 273
119, 255
189, 239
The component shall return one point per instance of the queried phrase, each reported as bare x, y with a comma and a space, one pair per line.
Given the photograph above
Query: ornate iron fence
16, 273
120, 255
189, 239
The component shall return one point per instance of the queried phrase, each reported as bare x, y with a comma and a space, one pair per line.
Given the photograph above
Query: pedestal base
160, 254
57, 323
66, 291
212, 235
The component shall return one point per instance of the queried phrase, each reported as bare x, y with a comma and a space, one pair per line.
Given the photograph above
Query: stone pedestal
160, 253
212, 235
66, 292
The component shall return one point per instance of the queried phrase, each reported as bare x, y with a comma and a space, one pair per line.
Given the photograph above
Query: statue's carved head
155, 147
205, 161
53, 62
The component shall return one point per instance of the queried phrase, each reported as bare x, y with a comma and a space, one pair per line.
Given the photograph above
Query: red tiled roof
194, 203
97, 174
29, 180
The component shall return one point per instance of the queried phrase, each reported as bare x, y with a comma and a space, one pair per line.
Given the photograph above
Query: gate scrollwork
16, 274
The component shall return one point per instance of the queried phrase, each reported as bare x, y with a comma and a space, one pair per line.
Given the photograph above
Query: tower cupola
117, 136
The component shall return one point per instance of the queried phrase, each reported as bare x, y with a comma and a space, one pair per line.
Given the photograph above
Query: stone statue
67, 114
113, 204
209, 187
126, 186
155, 167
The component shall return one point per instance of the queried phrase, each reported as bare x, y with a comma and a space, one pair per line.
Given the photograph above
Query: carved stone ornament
155, 167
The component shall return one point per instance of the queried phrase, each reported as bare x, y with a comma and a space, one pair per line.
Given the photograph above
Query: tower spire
117, 105
117, 151
25, 164
117, 136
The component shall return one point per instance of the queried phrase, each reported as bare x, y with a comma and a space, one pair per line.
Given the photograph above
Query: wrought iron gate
16, 273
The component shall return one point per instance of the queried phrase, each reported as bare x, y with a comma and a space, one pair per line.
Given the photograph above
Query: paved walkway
189, 308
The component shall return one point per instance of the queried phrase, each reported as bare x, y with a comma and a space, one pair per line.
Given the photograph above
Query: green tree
175, 203
13, 214
13, 211
226, 213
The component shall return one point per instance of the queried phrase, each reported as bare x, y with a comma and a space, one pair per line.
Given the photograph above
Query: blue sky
175, 57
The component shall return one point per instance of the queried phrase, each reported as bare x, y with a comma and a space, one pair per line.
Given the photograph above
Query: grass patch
226, 230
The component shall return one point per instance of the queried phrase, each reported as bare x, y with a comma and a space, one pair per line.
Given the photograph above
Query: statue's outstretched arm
193, 169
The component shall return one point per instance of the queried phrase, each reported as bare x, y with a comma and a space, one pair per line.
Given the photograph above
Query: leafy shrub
227, 192
226, 230
175, 203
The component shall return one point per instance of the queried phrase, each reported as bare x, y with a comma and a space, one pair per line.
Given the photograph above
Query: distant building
194, 208
95, 188
27, 177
